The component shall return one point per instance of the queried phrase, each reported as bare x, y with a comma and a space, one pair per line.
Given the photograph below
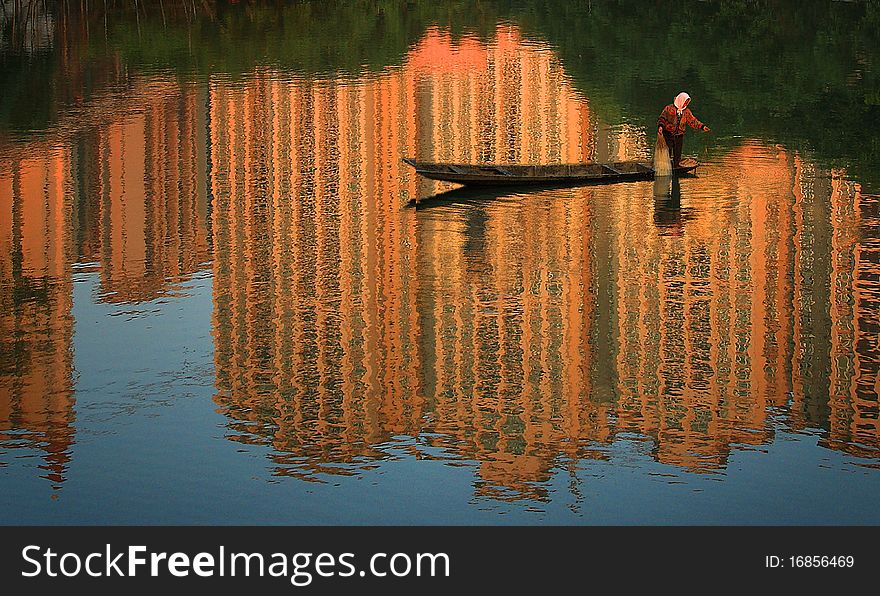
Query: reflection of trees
799, 73
88, 49
772, 70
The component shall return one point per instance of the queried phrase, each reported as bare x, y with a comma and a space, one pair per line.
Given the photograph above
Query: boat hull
549, 175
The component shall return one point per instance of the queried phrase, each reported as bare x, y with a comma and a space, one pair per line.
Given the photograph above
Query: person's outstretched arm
693, 122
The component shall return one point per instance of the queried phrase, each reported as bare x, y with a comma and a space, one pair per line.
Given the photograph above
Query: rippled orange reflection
523, 333
146, 222
36, 326
126, 194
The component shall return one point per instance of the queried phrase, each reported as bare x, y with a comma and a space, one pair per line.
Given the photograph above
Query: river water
221, 304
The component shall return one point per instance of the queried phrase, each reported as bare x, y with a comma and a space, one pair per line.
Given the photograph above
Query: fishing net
662, 161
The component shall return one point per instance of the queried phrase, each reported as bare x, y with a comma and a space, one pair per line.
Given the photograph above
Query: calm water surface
220, 306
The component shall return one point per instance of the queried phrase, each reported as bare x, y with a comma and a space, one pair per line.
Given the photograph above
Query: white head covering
681, 101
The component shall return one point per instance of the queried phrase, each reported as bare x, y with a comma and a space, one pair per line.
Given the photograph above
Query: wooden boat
557, 174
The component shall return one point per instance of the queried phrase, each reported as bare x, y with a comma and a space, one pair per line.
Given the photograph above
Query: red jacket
671, 123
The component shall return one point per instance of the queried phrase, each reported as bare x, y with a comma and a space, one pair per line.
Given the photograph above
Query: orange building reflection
319, 296
525, 334
146, 207
855, 314
36, 326
522, 334
127, 194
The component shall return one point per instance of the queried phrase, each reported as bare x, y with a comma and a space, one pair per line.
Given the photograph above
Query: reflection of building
312, 318
510, 358
524, 336
855, 312
36, 327
505, 102
704, 320
750, 312
147, 211
318, 323
138, 184
129, 193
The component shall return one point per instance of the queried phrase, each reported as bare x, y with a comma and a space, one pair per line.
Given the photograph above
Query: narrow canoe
561, 174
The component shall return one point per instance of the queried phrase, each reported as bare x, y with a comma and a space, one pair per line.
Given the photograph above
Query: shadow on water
465, 195
479, 194
669, 215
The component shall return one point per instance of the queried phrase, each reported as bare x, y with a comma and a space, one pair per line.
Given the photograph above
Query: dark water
219, 304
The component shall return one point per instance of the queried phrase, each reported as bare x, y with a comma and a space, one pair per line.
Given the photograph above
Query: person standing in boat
672, 122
